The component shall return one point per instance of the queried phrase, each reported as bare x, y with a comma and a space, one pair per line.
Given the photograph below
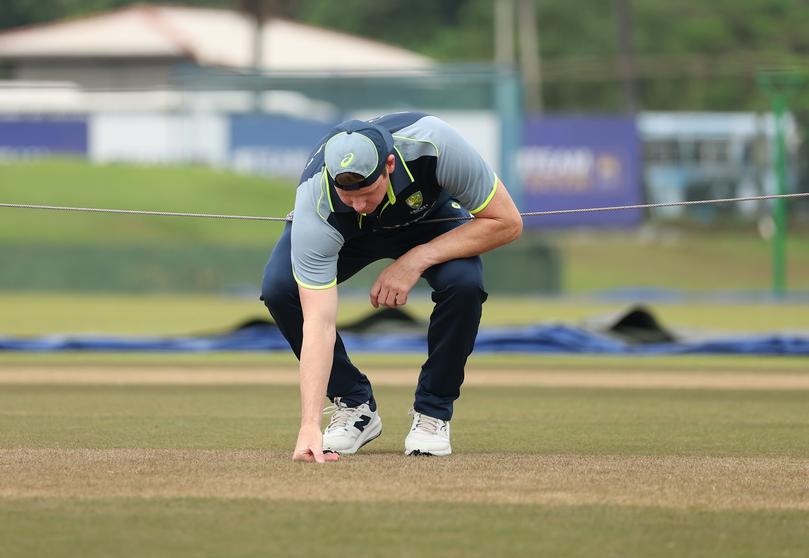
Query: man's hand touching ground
310, 446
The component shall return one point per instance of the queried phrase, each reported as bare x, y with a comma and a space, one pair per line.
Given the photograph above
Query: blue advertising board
273, 145
23, 136
577, 162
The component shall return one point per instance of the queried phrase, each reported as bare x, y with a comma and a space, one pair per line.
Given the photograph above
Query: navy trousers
457, 293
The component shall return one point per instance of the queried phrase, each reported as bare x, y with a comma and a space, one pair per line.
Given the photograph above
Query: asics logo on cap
347, 160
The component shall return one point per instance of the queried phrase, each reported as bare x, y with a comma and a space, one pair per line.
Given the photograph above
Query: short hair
348, 178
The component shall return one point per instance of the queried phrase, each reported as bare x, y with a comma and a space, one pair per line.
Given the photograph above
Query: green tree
689, 54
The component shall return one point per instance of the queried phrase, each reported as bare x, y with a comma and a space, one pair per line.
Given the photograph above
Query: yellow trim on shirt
482, 206
401, 158
328, 191
391, 195
324, 191
314, 287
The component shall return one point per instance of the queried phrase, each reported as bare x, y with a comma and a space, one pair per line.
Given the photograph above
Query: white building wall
98, 74
158, 138
481, 129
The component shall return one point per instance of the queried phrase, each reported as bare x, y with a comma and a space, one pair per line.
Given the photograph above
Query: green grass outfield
181, 189
124, 467
253, 528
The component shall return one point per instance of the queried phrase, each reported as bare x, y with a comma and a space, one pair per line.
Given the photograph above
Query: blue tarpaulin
543, 338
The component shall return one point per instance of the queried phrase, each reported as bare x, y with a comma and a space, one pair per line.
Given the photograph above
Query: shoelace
341, 416
427, 424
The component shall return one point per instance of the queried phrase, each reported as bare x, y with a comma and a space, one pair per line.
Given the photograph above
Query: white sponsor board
158, 138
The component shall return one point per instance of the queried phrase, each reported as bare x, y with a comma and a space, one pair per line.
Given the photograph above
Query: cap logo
347, 160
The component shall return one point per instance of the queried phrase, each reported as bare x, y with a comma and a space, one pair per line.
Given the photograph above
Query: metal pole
779, 85
779, 206
508, 100
530, 60
504, 32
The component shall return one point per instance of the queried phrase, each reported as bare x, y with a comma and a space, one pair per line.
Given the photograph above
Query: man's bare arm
317, 353
498, 224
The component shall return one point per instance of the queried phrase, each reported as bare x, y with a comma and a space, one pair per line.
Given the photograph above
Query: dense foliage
688, 54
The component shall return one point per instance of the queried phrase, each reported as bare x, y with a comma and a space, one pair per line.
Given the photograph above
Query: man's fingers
308, 455
375, 294
401, 299
303, 455
382, 297
322, 457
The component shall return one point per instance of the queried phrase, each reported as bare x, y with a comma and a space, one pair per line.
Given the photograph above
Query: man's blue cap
358, 147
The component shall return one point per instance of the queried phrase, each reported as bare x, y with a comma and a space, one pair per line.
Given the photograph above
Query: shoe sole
419, 453
374, 431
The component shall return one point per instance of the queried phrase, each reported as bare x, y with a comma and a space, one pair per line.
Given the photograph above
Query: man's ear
390, 164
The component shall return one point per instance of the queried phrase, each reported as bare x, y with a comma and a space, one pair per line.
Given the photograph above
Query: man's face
366, 200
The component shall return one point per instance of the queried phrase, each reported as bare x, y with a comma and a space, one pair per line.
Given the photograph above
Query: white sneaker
350, 428
428, 436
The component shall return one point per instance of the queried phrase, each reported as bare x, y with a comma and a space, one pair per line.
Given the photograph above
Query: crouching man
373, 190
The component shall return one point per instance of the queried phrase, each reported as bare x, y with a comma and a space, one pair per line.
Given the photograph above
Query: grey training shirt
419, 141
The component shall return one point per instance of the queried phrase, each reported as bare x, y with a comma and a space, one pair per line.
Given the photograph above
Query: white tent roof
206, 36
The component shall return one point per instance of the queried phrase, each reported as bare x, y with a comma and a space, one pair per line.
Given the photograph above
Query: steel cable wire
523, 214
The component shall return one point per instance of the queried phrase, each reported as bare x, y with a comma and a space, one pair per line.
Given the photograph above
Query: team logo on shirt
415, 201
